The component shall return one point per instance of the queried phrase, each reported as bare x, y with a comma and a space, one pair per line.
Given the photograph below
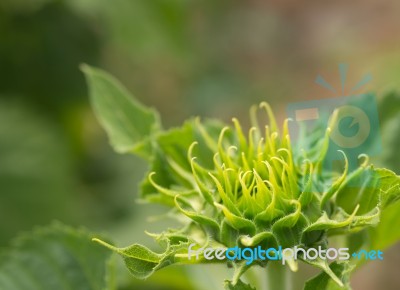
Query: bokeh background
183, 57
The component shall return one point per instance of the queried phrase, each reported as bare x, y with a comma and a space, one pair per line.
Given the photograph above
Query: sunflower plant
231, 187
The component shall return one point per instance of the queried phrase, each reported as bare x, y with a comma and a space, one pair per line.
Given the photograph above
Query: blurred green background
183, 57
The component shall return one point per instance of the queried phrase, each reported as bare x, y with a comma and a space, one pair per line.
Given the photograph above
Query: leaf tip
85, 68
103, 243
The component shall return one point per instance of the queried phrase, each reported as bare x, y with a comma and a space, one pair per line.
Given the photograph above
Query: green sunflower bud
235, 189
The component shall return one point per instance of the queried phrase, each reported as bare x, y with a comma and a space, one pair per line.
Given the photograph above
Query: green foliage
384, 235
238, 286
235, 189
323, 281
36, 173
43, 42
56, 257
142, 262
128, 124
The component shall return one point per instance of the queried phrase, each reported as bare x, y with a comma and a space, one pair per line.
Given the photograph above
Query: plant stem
279, 277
